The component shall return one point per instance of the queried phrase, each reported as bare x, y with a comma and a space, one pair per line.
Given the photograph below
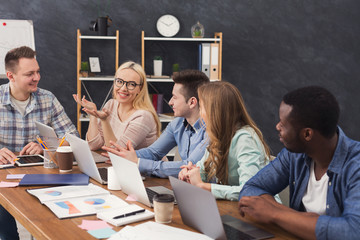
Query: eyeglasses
131, 85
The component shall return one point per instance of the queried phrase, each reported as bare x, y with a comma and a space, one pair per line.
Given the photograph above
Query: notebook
54, 179
198, 209
131, 182
108, 216
85, 159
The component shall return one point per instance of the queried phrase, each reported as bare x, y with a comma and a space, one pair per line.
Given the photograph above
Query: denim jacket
191, 142
342, 219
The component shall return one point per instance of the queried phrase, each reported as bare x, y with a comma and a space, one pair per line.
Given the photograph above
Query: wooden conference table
43, 224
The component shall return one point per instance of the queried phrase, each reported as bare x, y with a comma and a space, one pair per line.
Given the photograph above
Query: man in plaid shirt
21, 104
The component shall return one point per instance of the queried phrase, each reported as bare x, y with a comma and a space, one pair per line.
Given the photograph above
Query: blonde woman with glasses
129, 116
236, 150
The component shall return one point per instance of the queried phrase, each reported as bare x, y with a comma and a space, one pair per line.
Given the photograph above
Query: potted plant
157, 66
84, 70
175, 68
197, 30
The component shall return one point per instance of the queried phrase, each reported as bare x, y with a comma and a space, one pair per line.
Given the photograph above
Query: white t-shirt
20, 105
314, 199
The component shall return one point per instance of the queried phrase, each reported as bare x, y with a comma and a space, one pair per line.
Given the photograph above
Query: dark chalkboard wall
270, 46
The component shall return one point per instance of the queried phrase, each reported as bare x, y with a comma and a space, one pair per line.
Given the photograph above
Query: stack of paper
156, 231
74, 201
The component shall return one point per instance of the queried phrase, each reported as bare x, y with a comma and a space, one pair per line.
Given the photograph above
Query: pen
129, 214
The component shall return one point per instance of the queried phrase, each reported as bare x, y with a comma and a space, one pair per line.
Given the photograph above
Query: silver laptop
47, 134
131, 182
198, 209
85, 159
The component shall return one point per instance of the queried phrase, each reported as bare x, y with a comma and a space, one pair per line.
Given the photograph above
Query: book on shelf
75, 201
157, 101
214, 61
154, 101
160, 99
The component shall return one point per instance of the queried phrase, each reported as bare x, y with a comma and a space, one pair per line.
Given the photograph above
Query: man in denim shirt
187, 131
321, 166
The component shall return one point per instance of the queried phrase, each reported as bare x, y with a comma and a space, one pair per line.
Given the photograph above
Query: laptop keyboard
150, 194
233, 233
98, 157
103, 174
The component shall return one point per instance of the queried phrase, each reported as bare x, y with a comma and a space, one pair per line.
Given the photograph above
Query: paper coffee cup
163, 207
113, 181
65, 158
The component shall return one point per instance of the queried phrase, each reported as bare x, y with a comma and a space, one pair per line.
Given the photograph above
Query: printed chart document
74, 201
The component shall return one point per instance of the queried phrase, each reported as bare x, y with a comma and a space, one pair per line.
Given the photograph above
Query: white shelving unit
81, 80
217, 38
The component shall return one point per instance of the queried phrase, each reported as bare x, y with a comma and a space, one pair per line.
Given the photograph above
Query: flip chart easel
14, 33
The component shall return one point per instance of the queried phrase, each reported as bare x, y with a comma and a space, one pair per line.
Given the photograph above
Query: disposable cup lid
64, 149
163, 198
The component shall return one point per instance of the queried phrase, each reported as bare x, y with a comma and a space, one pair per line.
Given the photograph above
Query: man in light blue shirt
187, 131
320, 165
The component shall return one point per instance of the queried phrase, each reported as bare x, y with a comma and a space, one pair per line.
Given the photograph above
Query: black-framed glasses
131, 85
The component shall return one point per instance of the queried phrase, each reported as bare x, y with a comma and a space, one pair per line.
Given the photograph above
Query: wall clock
168, 25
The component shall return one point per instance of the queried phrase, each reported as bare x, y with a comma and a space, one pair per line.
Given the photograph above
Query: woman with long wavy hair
236, 150
129, 116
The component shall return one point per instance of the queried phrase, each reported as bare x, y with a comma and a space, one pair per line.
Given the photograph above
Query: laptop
198, 209
47, 134
85, 159
131, 182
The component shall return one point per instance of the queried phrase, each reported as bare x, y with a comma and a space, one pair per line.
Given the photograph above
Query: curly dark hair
314, 107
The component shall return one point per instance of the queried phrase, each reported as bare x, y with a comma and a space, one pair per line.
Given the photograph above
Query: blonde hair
142, 99
226, 113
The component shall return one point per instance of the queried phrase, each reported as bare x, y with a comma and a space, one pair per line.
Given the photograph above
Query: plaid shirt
16, 130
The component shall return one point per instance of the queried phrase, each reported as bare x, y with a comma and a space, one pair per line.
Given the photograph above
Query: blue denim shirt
191, 142
342, 219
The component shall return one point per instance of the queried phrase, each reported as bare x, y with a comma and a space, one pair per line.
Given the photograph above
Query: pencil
42, 144
62, 141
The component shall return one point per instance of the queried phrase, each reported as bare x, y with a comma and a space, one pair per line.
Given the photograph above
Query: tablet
30, 160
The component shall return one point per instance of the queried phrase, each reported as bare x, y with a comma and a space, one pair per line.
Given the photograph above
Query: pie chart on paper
94, 201
53, 193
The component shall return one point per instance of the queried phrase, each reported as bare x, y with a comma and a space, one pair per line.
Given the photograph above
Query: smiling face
178, 102
24, 79
288, 133
122, 94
